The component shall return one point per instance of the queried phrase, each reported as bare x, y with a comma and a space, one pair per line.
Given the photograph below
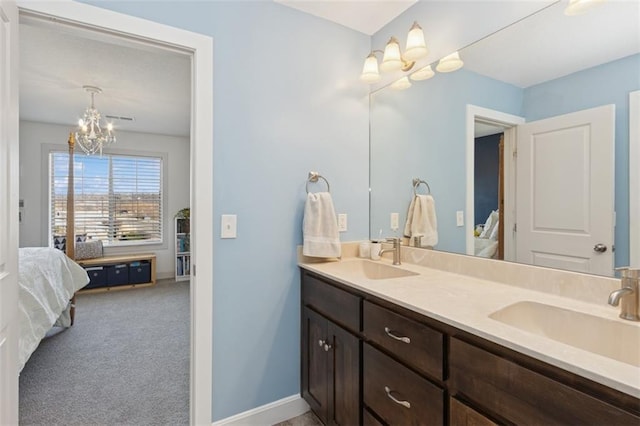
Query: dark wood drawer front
417, 401
462, 415
522, 396
418, 345
338, 305
369, 419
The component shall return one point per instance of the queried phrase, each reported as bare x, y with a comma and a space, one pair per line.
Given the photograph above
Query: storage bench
119, 272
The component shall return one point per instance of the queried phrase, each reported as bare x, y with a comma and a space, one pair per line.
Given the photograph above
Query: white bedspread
47, 279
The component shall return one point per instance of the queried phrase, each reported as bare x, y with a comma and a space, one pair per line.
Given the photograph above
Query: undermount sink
369, 269
609, 338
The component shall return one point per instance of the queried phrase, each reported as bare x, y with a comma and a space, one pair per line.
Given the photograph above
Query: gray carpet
306, 419
124, 361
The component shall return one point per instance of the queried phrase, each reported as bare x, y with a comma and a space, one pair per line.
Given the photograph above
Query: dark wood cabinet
524, 396
369, 361
461, 414
330, 357
398, 395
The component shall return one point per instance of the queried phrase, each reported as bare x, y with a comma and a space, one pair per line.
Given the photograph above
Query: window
118, 198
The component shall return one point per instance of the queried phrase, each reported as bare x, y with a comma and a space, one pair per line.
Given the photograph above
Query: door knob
600, 248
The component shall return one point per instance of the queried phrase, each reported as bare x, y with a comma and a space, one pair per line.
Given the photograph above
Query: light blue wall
421, 132
605, 84
287, 100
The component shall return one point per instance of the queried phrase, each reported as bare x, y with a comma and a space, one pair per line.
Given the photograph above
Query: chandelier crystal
91, 136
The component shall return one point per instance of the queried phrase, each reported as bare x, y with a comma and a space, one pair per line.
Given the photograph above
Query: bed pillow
88, 250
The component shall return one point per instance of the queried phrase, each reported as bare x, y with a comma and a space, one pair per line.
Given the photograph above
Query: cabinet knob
327, 347
393, 336
396, 400
320, 343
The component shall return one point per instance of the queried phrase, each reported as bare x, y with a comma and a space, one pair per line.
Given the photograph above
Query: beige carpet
125, 361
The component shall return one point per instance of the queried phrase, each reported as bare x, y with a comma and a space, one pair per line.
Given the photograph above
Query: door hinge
515, 227
193, 270
515, 153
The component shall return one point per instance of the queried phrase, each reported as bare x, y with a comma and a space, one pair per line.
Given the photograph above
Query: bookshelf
183, 249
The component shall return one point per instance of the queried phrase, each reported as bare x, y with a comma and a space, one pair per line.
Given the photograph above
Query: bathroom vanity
419, 345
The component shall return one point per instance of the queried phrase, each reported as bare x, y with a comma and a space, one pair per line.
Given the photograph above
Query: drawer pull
397, 401
393, 336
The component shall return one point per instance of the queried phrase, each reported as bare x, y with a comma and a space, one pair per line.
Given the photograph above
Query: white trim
275, 412
507, 120
634, 179
201, 49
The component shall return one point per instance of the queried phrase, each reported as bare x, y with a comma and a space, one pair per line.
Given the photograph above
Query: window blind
118, 199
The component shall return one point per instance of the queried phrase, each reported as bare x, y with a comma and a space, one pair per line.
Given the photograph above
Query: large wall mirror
559, 83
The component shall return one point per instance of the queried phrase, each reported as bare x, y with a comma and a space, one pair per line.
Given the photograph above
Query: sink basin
368, 269
609, 338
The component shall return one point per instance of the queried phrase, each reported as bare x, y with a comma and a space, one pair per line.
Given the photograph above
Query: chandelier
91, 135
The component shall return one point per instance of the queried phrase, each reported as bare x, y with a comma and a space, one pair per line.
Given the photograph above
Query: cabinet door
462, 415
315, 363
344, 377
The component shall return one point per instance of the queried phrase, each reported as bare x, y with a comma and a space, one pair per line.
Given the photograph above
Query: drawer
417, 401
118, 274
139, 272
523, 396
97, 276
369, 419
418, 345
336, 304
462, 415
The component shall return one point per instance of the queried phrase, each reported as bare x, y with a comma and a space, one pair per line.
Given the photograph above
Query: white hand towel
421, 220
320, 236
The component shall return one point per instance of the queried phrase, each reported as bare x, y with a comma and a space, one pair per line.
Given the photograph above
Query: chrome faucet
395, 249
627, 296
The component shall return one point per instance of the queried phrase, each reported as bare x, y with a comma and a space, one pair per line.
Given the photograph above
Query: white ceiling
147, 83
366, 16
152, 84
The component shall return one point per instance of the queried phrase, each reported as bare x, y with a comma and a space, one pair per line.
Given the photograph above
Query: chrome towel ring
416, 184
313, 177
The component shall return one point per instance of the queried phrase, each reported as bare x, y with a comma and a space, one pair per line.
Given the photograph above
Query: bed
47, 281
486, 243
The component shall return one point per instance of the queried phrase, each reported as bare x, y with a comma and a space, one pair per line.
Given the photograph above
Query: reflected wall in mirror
543, 66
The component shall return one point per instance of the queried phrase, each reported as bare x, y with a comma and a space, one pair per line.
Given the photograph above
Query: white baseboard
269, 414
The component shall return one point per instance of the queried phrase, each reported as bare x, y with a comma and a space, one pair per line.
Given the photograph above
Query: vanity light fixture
450, 63
578, 7
424, 73
393, 59
401, 84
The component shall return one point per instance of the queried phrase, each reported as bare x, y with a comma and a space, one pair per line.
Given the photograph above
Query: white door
565, 189
8, 212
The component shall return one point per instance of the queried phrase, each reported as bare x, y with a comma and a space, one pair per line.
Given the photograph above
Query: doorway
478, 121
199, 47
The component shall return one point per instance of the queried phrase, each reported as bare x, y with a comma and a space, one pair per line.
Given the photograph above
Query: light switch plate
395, 221
342, 222
228, 224
459, 218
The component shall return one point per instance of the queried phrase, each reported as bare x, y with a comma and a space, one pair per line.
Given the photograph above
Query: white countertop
466, 302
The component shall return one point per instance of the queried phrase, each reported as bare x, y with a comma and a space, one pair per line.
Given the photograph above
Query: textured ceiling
150, 84
366, 16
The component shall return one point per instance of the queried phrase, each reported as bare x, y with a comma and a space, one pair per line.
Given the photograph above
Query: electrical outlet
395, 220
342, 222
459, 218
228, 224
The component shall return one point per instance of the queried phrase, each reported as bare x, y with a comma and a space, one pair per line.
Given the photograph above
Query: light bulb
450, 63
391, 60
416, 47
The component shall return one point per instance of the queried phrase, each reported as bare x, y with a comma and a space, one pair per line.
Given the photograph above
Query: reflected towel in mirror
421, 221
